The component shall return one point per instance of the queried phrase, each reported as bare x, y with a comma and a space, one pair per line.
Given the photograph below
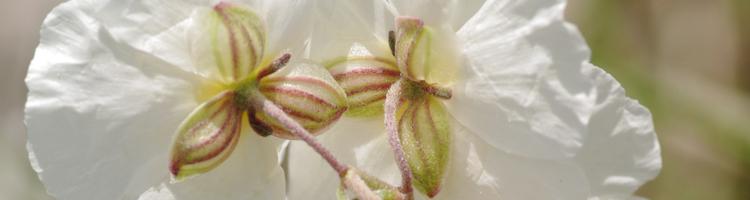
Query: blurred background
686, 60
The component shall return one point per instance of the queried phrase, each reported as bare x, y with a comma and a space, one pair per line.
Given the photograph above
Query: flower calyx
235, 37
416, 118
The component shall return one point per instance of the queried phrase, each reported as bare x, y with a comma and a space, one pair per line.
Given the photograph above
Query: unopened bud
206, 137
425, 135
307, 93
366, 80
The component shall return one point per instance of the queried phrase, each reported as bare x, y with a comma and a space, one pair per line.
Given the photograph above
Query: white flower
114, 84
531, 118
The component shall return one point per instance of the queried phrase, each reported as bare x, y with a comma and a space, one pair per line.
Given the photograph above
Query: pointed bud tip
174, 169
434, 192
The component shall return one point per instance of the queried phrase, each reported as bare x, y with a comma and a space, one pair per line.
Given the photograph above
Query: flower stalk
391, 104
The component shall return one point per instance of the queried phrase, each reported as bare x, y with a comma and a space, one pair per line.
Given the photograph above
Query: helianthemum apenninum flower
116, 85
482, 100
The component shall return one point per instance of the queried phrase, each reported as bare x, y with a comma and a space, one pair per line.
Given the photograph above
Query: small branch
391, 125
295, 128
352, 181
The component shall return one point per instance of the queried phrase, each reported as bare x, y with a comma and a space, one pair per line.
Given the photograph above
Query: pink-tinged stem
295, 128
391, 125
355, 183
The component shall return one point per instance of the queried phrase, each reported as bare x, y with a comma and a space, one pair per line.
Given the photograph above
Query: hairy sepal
307, 93
206, 137
425, 135
365, 80
231, 39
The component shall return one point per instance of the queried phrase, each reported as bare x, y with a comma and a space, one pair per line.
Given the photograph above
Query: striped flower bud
425, 136
307, 93
365, 80
423, 124
206, 137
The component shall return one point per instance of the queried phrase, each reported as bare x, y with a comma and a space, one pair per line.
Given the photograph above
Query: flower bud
365, 79
206, 137
307, 93
425, 135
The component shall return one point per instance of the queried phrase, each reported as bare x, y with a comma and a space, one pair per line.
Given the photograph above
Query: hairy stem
295, 128
357, 185
391, 125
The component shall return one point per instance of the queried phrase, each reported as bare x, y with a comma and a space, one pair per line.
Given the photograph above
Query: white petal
479, 171
289, 23
249, 173
529, 90
450, 13
164, 27
524, 88
622, 152
341, 24
357, 142
101, 115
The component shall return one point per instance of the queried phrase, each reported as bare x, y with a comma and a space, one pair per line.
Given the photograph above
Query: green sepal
206, 137
425, 134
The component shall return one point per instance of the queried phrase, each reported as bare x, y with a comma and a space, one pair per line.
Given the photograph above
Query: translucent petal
240, 177
530, 91
480, 171
101, 115
525, 88
450, 14
289, 23
169, 29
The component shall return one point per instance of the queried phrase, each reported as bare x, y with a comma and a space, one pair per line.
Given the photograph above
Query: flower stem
392, 100
356, 183
295, 128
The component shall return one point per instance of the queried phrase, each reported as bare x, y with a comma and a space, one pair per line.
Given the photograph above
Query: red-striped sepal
232, 40
307, 93
365, 79
206, 137
425, 134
